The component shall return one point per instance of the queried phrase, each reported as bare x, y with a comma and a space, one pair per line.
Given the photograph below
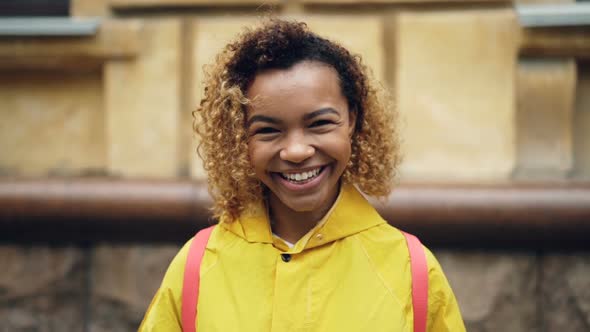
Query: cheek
258, 156
252, 155
250, 152
346, 152
340, 148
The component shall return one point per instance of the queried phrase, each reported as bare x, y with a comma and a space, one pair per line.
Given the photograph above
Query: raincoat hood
350, 214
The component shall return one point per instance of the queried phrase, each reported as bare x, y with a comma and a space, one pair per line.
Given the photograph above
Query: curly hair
220, 120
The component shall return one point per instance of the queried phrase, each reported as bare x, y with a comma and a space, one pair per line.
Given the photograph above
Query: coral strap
192, 279
419, 282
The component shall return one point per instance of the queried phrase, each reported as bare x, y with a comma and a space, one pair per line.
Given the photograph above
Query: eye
320, 123
266, 130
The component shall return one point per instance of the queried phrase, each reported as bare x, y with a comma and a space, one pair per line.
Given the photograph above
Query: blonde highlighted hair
220, 120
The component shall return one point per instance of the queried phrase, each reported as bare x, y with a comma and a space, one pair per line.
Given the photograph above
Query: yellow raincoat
349, 273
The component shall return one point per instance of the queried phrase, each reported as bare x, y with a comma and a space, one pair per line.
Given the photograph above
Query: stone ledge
554, 15
534, 215
114, 40
398, 2
48, 26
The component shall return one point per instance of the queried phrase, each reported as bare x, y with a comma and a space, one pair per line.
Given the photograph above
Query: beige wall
51, 123
470, 109
455, 91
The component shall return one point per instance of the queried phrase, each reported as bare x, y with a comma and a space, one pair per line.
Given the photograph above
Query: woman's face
299, 129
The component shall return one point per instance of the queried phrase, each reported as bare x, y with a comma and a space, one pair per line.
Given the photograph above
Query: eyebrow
319, 112
306, 117
261, 118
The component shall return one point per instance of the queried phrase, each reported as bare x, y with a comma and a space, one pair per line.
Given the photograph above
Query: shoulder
163, 313
388, 251
385, 240
443, 310
388, 244
175, 273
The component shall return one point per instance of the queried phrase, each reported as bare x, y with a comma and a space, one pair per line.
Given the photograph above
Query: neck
292, 225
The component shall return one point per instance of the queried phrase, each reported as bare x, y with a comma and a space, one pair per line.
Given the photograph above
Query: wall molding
509, 215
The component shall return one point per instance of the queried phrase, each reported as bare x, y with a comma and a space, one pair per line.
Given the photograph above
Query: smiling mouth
302, 177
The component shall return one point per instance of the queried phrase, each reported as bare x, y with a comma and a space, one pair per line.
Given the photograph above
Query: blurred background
100, 185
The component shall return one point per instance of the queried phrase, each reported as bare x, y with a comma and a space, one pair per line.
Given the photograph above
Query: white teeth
302, 176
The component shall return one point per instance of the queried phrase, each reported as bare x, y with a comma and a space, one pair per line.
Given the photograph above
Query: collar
350, 214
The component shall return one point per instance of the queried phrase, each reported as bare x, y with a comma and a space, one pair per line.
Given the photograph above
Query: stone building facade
476, 107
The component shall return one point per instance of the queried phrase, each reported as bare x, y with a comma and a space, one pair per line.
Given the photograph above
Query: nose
296, 150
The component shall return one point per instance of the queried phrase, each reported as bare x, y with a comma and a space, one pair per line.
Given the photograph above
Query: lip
301, 170
304, 186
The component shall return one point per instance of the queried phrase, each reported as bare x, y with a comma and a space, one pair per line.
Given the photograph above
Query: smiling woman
299, 143
276, 47
292, 131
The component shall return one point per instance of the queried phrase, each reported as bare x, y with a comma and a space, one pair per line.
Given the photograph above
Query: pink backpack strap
419, 269
192, 279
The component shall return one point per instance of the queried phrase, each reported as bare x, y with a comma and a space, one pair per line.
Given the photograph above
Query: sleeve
163, 313
443, 310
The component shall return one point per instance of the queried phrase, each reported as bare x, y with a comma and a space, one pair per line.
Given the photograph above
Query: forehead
306, 86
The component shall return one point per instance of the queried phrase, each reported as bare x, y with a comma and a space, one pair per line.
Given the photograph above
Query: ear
351, 123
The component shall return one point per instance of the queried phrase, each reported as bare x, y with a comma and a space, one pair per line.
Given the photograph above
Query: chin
309, 203
303, 206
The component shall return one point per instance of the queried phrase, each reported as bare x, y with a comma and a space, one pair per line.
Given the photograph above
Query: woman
292, 132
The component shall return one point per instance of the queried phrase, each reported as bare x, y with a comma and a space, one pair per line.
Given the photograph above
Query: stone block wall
472, 110
108, 287
67, 288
